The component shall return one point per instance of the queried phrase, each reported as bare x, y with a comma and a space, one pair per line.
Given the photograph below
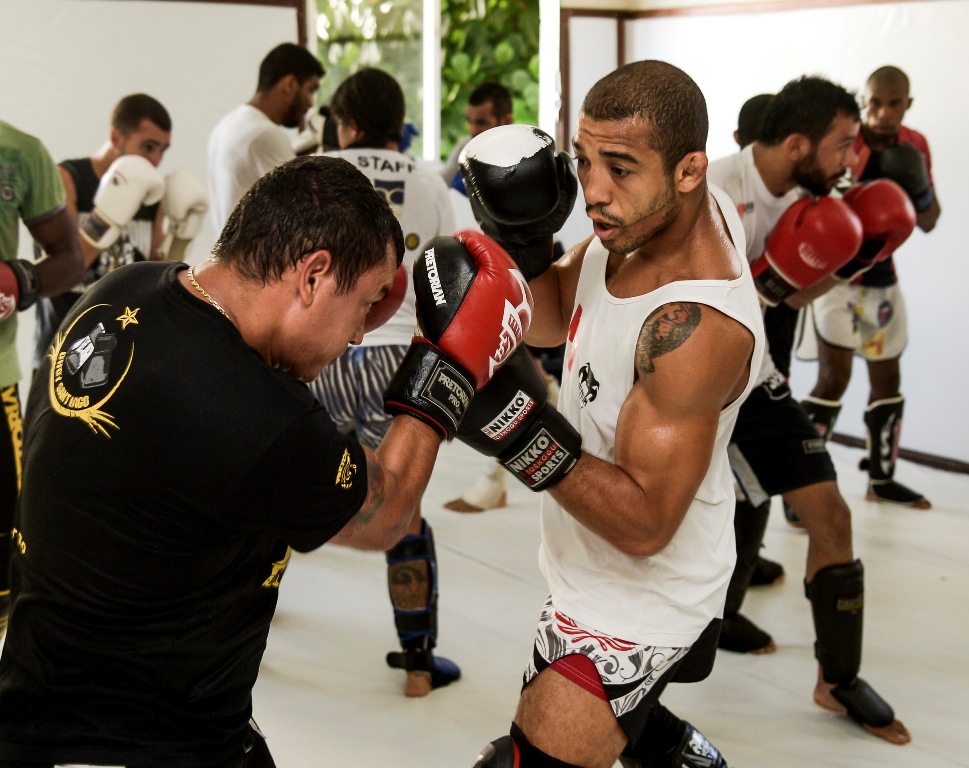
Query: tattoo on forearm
376, 492
665, 330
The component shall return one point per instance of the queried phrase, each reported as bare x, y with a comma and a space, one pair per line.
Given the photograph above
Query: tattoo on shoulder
665, 330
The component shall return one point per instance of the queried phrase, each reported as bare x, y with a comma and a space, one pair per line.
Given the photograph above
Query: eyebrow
615, 155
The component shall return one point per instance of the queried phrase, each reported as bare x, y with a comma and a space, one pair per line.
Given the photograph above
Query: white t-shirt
419, 198
243, 147
666, 599
758, 207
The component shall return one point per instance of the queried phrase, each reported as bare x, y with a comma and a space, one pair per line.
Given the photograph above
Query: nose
594, 187
851, 157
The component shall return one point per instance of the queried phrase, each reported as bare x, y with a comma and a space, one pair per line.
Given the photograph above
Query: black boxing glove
905, 165
511, 420
521, 191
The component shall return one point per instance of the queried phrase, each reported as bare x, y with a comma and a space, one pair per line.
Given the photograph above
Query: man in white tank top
664, 339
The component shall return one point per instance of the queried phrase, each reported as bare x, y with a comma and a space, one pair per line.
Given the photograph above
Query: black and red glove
473, 310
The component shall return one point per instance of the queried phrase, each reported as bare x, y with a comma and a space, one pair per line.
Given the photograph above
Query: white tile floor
326, 698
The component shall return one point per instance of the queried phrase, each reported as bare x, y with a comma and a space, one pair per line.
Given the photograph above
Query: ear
354, 134
116, 138
797, 146
690, 172
314, 276
736, 137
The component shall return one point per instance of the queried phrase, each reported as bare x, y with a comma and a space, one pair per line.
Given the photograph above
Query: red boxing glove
472, 301
887, 218
19, 286
811, 240
387, 307
473, 309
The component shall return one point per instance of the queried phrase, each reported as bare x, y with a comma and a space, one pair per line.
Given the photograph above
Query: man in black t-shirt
174, 457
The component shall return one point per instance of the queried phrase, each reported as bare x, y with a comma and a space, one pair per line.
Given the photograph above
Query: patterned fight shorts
352, 390
632, 676
871, 321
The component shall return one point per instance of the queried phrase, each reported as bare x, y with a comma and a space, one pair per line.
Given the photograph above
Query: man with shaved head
867, 317
663, 341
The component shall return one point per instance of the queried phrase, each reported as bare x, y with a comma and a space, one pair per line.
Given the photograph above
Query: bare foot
418, 684
460, 505
894, 733
771, 647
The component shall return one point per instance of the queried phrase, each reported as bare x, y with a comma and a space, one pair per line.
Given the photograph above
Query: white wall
67, 63
734, 56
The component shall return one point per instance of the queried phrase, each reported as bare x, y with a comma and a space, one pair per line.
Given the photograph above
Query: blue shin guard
412, 578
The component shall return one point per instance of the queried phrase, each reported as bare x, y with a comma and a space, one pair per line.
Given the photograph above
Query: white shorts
871, 321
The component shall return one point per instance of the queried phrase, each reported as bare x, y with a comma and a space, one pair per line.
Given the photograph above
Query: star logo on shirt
128, 318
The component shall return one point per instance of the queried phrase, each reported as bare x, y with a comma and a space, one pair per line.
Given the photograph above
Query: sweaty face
628, 195
821, 170
885, 107
148, 141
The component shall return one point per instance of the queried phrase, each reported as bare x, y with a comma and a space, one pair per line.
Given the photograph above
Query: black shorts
775, 447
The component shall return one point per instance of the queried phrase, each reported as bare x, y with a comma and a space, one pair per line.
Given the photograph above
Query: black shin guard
412, 579
824, 413
883, 423
738, 633
837, 595
749, 525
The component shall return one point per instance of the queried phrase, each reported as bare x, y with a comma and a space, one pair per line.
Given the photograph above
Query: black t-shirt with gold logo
167, 472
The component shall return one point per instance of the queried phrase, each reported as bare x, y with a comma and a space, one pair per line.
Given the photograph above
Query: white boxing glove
186, 200
129, 183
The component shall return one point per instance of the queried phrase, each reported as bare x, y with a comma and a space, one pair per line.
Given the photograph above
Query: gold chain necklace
200, 289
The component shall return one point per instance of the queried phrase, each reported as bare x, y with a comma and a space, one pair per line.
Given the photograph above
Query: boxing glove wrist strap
28, 281
547, 451
430, 387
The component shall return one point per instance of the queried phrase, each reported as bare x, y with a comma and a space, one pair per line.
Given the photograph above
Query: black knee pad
516, 751
837, 595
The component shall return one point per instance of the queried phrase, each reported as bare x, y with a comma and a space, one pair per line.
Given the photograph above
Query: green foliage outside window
481, 40
487, 40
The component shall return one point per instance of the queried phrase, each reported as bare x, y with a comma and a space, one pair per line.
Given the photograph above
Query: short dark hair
890, 75
287, 59
375, 102
307, 204
665, 96
807, 106
495, 94
131, 110
751, 117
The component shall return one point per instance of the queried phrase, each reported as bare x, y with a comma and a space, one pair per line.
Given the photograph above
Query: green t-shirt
30, 190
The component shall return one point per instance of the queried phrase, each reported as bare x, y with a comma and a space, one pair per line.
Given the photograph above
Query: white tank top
669, 598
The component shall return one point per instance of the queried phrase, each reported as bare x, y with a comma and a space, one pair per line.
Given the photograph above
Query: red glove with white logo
473, 310
812, 239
